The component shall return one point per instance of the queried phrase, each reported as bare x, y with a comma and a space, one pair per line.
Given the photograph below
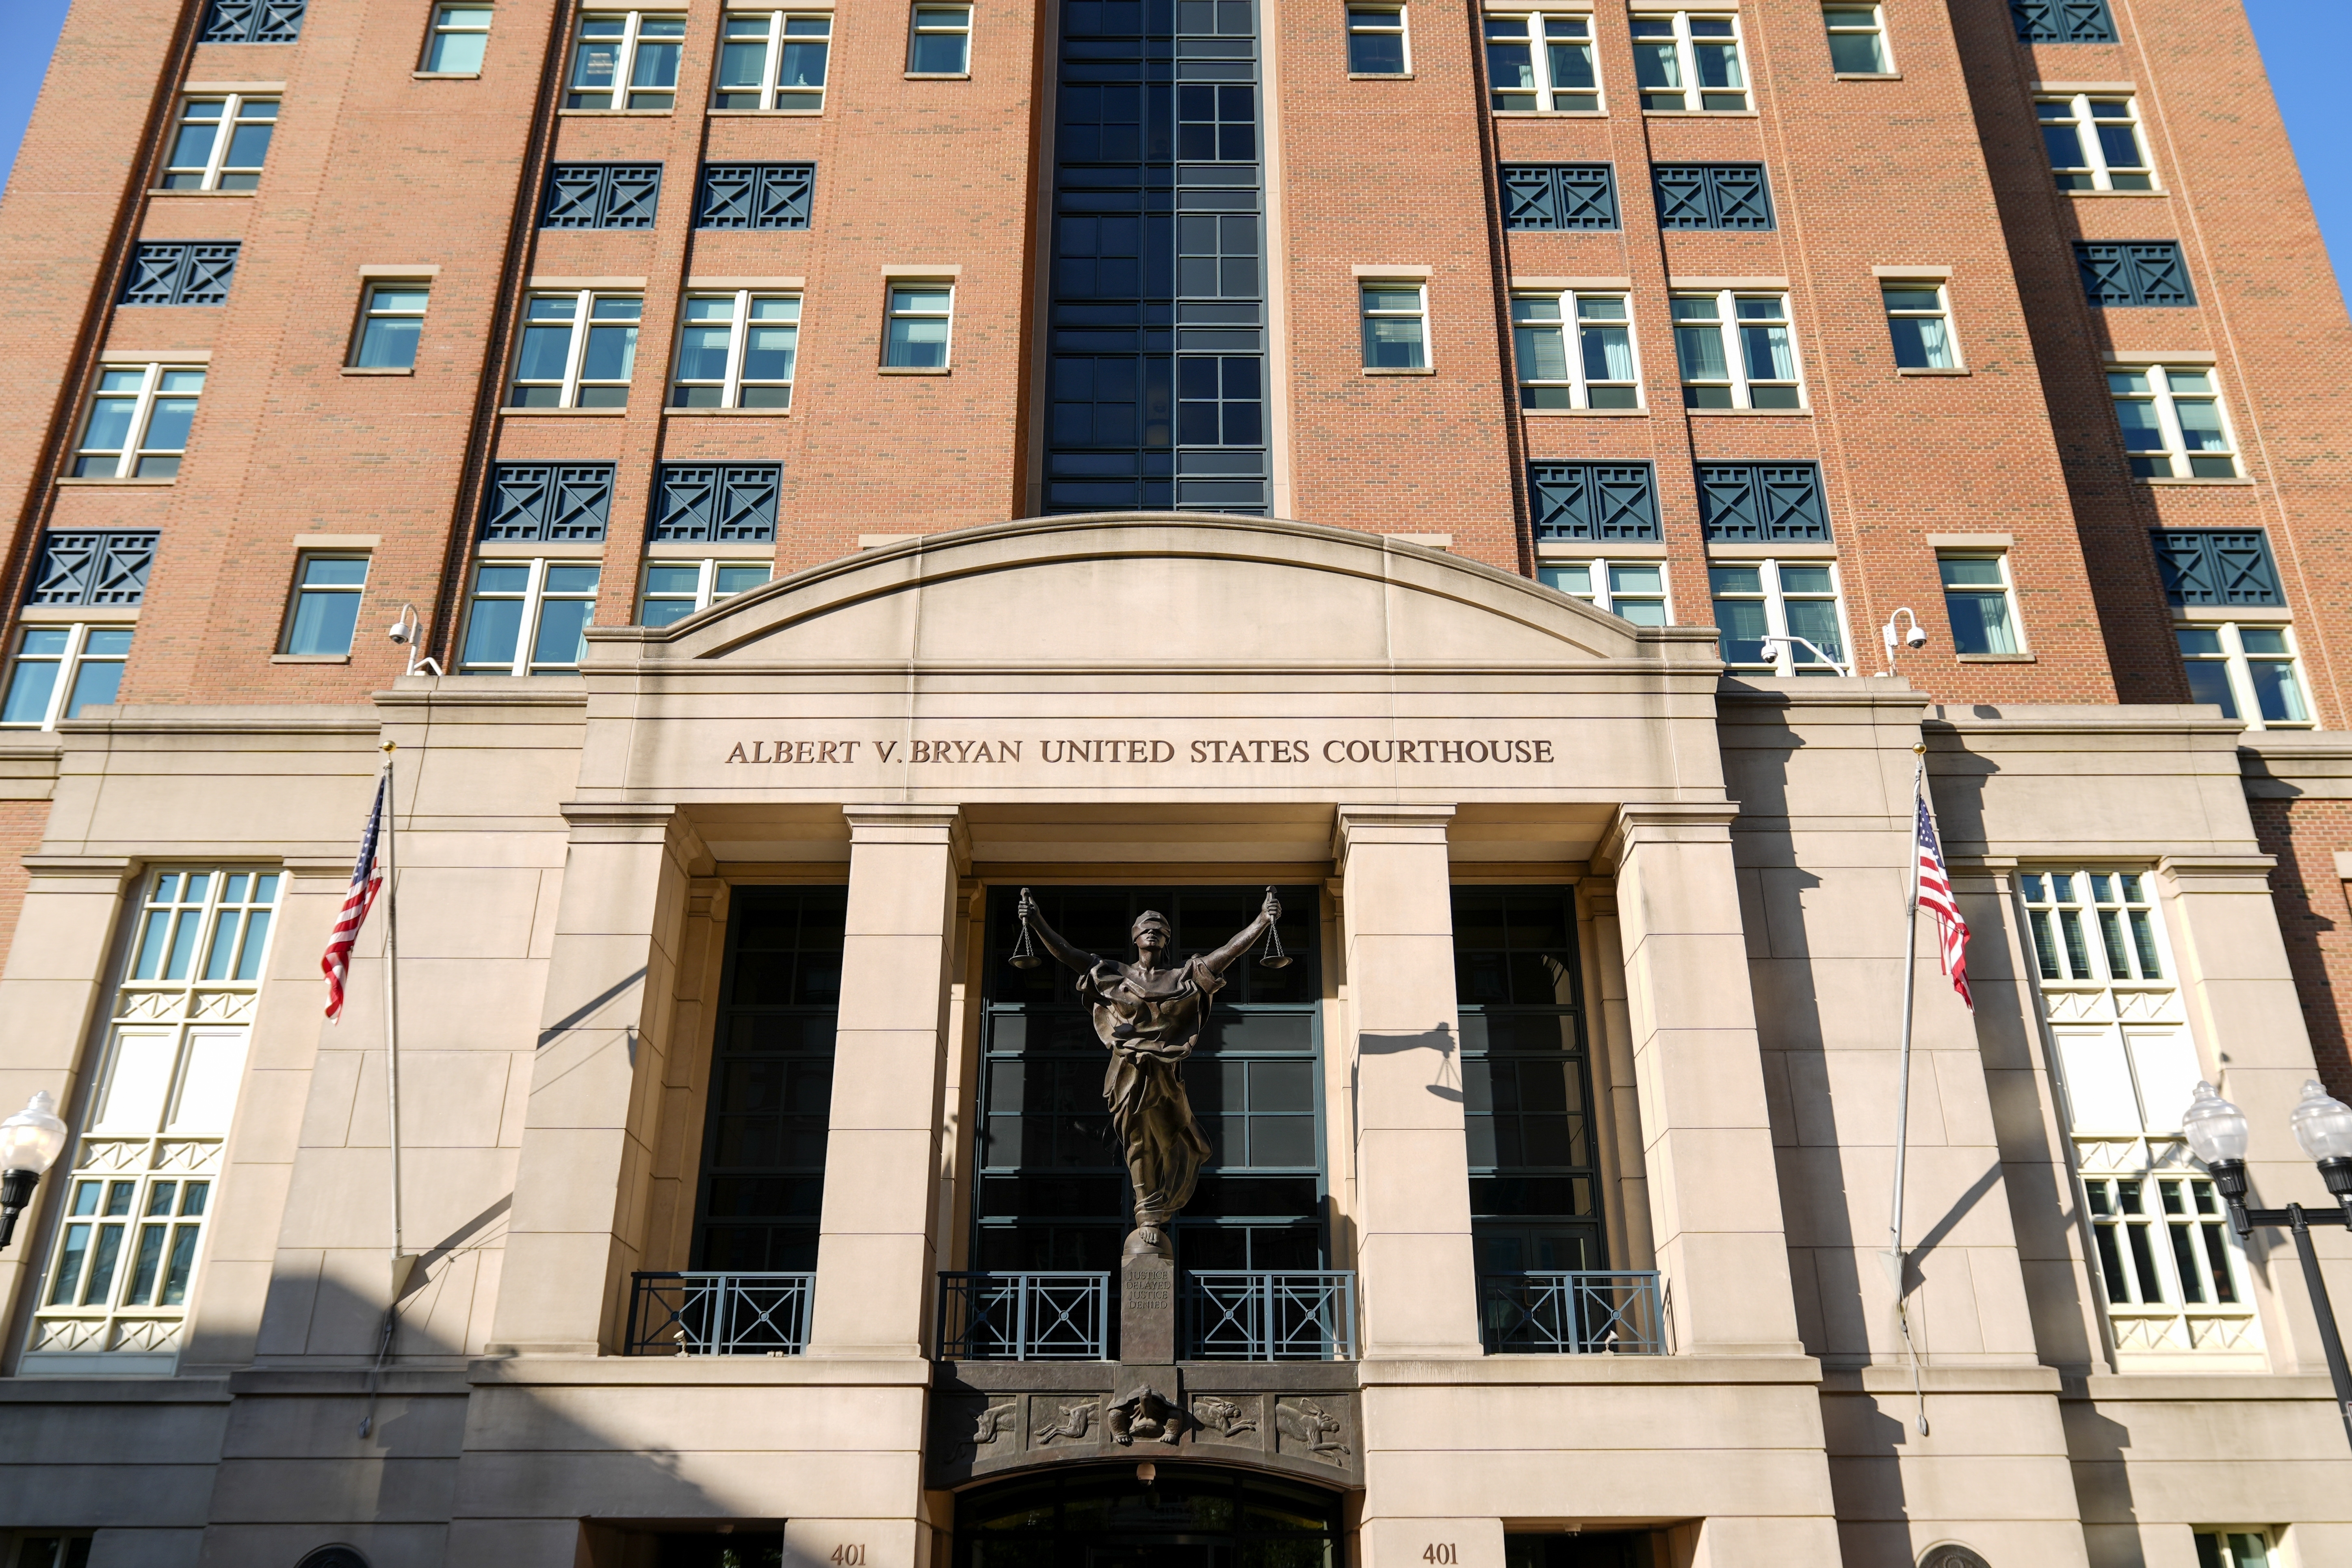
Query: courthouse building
832, 464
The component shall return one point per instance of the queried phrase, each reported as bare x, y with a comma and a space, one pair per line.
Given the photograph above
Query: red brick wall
22, 823
2316, 920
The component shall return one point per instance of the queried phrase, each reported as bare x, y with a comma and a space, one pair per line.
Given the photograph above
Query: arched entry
1187, 1516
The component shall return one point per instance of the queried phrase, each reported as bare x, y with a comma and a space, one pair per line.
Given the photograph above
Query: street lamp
30, 1143
2215, 1130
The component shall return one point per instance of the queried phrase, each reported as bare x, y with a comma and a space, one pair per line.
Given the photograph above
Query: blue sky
2310, 93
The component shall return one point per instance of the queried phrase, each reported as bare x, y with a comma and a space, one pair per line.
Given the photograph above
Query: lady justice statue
1151, 1019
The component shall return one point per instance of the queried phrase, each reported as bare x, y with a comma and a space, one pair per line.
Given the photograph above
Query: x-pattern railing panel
1576, 1313
1270, 1315
1049, 1315
719, 1313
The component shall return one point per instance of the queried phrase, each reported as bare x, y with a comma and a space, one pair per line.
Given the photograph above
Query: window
754, 195
625, 60
2250, 672
2095, 144
1634, 590
52, 1551
391, 318
1758, 503
565, 502
2134, 272
115, 1293
601, 195
917, 335
773, 60
2172, 423
1712, 195
1857, 40
220, 144
1593, 501
2062, 21
460, 35
60, 670
528, 617
139, 420
1980, 603
1920, 322
2157, 1237
2216, 566
2234, 1549
1735, 351
1756, 601
1678, 55
736, 351
1597, 370
1376, 41
578, 350
252, 22
1216, 124
1559, 196
939, 43
106, 567
676, 589
326, 606
1395, 333
1220, 401
1542, 63
722, 502
180, 273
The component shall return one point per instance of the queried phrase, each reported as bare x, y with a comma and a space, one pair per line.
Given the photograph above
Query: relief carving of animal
1303, 1421
1221, 1416
994, 1421
1073, 1423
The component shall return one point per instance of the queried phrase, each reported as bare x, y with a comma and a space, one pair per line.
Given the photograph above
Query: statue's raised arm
1034, 917
1217, 963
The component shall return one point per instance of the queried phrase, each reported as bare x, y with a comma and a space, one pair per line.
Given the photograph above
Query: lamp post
2215, 1130
31, 1141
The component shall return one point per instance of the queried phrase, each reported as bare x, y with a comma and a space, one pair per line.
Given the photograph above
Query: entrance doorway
1187, 1516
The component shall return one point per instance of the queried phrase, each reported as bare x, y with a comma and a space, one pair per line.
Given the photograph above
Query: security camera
400, 631
1916, 638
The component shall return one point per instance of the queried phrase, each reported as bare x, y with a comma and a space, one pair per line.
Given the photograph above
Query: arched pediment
1164, 588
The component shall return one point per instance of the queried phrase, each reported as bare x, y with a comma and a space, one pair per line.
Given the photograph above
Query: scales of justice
1149, 1015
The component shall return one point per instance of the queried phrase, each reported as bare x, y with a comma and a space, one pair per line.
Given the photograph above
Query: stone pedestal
1147, 1312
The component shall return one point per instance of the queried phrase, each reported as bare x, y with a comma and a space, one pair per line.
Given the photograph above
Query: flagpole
1903, 1079
400, 1261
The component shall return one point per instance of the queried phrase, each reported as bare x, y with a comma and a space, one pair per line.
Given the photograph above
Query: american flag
1936, 897
367, 881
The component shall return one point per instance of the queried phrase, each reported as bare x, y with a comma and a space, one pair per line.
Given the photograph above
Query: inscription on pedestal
1147, 1312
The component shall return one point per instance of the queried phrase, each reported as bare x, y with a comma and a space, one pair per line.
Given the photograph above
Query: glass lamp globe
2321, 1124
33, 1138
2214, 1128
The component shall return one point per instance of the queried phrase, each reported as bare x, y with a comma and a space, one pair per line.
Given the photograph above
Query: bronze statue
1151, 1019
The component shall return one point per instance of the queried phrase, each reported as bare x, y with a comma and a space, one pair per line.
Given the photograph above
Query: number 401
855, 1557
1444, 1556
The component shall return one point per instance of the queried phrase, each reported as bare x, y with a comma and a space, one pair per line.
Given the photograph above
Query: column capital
1644, 821
1386, 825
2217, 873
906, 822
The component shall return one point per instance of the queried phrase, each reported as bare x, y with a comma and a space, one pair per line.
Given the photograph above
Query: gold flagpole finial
389, 747
1918, 748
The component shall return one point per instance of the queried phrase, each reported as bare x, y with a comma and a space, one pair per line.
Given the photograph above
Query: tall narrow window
918, 331
139, 421
1376, 41
461, 35
1919, 319
1980, 603
529, 617
1735, 351
1686, 62
626, 59
578, 350
1762, 608
1575, 350
939, 41
220, 144
62, 669
326, 609
1396, 335
2096, 143
773, 60
1857, 40
1542, 63
391, 319
2172, 423
116, 1291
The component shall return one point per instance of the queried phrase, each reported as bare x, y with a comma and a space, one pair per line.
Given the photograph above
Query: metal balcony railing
1061, 1315
718, 1315
1270, 1315
1587, 1312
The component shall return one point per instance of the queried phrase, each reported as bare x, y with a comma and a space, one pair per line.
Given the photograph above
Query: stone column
1414, 1265
1713, 1198
875, 1249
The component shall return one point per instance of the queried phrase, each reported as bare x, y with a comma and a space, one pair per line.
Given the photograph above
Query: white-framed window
529, 617
220, 143
121, 1269
1756, 601
61, 670
1542, 63
676, 589
578, 350
1919, 319
1396, 326
625, 60
939, 41
1598, 368
921, 321
325, 611
737, 350
2252, 672
2157, 1235
1857, 40
138, 424
774, 60
1635, 590
2095, 142
1980, 602
392, 317
1736, 351
1689, 62
2236, 1546
461, 37
1377, 44
2172, 421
